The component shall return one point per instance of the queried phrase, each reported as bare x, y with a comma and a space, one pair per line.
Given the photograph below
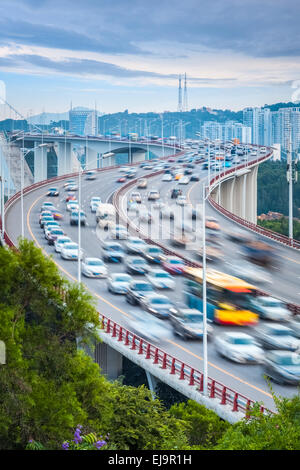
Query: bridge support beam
251, 201
64, 158
110, 360
40, 163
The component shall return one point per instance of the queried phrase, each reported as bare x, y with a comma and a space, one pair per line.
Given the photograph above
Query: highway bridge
232, 387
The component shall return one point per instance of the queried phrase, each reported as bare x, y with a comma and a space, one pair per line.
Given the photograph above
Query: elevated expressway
177, 362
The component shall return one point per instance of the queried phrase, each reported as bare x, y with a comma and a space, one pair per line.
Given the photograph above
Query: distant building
83, 121
270, 216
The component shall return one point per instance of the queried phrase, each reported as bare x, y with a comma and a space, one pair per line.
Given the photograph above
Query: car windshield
271, 303
161, 275
193, 318
57, 231
278, 332
71, 246
143, 287
241, 340
159, 300
62, 241
288, 360
136, 241
154, 250
52, 189
123, 278
115, 248
138, 261
175, 261
94, 262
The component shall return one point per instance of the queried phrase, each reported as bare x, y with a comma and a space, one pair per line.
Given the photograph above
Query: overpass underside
238, 193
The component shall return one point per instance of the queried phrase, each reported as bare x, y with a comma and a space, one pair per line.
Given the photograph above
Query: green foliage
272, 189
281, 226
141, 422
203, 427
280, 431
168, 395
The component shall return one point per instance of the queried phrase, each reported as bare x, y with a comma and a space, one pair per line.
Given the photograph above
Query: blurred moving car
153, 195
93, 267
188, 323
260, 253
90, 175
122, 179
160, 279
47, 206
174, 265
153, 254
60, 241
45, 219
72, 205
149, 327
77, 215
53, 234
136, 265
138, 290
119, 232
295, 325
95, 202
134, 245
142, 183
175, 193
184, 180
269, 308
136, 196
118, 283
112, 251
239, 347
53, 192
212, 223
181, 200
167, 177
249, 272
277, 336
159, 305
282, 367
145, 216
70, 251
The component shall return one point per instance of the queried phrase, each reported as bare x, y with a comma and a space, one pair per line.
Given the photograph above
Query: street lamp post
205, 373
79, 223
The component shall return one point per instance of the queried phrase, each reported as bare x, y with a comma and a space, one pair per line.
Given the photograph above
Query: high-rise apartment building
83, 121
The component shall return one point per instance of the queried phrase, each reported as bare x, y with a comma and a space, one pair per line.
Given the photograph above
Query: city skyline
235, 55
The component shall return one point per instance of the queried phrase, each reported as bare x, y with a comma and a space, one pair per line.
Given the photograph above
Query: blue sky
127, 54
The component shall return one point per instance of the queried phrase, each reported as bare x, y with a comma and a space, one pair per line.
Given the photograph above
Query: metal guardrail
174, 366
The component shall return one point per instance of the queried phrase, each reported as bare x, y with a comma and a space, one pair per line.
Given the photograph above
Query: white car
72, 205
160, 279
239, 347
134, 245
250, 273
181, 200
119, 232
277, 336
93, 267
118, 283
124, 169
59, 242
270, 308
136, 196
70, 251
149, 327
153, 195
167, 177
184, 180
95, 201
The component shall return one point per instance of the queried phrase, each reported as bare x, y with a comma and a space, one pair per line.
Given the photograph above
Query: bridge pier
40, 163
64, 158
110, 360
138, 156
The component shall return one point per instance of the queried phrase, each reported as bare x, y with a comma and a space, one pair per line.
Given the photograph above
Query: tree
278, 431
204, 427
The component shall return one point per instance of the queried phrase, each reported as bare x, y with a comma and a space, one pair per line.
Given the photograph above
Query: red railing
174, 366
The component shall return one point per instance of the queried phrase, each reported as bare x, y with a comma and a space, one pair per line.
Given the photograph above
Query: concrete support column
91, 158
40, 163
232, 186
244, 196
110, 360
64, 158
251, 200
138, 156
238, 196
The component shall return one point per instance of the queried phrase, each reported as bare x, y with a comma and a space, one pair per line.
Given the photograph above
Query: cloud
87, 67
257, 28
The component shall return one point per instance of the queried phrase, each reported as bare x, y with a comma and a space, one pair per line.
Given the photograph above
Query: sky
127, 54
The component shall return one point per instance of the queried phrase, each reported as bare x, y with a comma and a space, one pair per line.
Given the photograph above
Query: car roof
236, 334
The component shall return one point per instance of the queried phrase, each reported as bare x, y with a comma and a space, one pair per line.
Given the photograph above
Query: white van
106, 216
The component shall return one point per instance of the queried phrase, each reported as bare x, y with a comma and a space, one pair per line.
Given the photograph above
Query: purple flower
65, 445
30, 440
100, 444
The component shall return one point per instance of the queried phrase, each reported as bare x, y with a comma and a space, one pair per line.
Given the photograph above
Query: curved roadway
248, 380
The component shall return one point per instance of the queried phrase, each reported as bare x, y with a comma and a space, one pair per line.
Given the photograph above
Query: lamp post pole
204, 294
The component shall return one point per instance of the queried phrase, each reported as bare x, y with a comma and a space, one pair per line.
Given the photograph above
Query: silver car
118, 283
94, 267
239, 347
